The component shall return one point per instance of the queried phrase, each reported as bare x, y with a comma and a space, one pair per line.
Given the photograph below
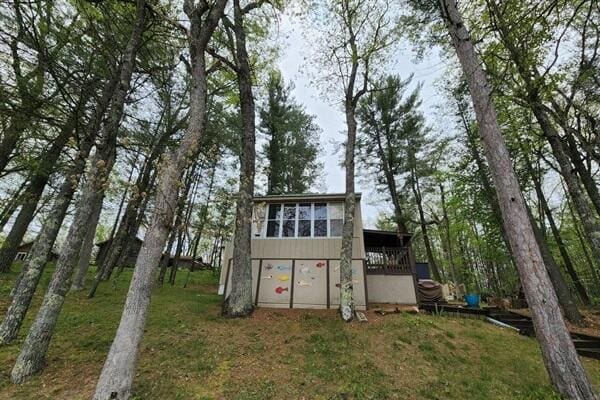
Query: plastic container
472, 300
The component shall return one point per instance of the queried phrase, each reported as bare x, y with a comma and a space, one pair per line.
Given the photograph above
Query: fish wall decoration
303, 283
283, 267
283, 278
268, 266
267, 277
320, 264
305, 270
280, 289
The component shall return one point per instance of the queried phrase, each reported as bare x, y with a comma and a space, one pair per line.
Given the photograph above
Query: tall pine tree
293, 140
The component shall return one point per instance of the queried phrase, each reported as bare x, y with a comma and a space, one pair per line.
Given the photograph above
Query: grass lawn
190, 352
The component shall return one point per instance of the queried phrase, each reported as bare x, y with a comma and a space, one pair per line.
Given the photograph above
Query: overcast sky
330, 117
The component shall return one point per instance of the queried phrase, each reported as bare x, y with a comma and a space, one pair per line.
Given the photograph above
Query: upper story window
304, 220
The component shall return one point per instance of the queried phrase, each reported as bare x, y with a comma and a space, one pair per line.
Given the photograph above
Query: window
320, 219
305, 220
273, 220
336, 219
289, 220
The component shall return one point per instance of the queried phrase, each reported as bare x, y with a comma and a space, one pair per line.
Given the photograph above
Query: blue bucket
472, 300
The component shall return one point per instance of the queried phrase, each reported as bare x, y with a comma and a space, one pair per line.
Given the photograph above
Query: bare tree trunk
42, 249
414, 180
131, 220
191, 183
12, 204
239, 303
586, 177
558, 238
561, 360
391, 184
490, 192
565, 299
447, 233
584, 247
33, 193
531, 79
87, 245
31, 358
164, 262
118, 371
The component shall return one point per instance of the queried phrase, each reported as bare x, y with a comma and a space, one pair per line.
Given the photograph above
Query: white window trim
312, 221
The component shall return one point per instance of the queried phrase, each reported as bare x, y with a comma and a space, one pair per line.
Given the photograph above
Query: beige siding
306, 251
395, 289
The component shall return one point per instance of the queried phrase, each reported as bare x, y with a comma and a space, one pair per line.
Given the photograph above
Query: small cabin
296, 245
133, 250
25, 248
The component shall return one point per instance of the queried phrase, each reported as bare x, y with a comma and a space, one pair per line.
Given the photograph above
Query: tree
239, 302
561, 360
40, 252
292, 135
353, 36
117, 374
31, 358
533, 85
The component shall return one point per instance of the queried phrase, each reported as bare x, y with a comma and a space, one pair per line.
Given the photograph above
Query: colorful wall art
310, 283
303, 286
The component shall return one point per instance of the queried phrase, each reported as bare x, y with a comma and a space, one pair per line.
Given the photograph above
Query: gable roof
271, 198
102, 243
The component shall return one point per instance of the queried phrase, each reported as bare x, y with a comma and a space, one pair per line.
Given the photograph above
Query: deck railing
389, 260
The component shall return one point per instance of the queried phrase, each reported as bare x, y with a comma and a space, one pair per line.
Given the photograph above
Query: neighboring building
134, 249
296, 245
24, 249
129, 261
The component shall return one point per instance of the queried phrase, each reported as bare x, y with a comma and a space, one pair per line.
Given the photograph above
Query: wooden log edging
586, 345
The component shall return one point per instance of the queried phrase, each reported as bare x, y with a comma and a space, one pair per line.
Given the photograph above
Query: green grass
190, 352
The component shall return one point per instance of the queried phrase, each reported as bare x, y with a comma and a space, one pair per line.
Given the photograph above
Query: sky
330, 117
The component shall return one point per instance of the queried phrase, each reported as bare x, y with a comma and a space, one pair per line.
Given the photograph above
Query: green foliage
292, 144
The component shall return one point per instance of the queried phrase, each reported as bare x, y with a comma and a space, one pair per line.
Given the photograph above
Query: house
134, 249
296, 244
24, 249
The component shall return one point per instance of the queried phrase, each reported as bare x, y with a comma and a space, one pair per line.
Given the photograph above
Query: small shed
133, 251
134, 248
24, 249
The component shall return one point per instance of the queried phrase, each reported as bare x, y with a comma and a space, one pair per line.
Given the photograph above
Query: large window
305, 220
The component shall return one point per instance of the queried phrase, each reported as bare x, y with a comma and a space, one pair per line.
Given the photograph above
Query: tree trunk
561, 359
118, 371
423, 223
42, 249
33, 193
447, 233
87, 245
181, 228
31, 358
239, 303
12, 204
391, 184
532, 82
164, 261
582, 243
566, 300
557, 236
129, 224
586, 177
488, 188
10, 138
